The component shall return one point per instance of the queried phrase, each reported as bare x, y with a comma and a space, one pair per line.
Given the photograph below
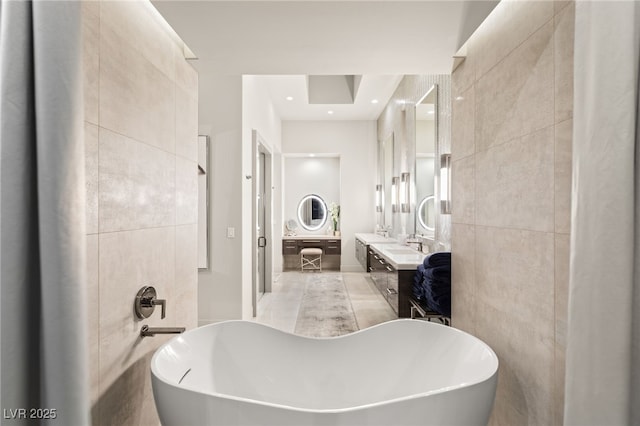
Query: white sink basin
402, 251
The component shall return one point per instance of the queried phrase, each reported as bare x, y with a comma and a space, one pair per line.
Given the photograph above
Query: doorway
262, 222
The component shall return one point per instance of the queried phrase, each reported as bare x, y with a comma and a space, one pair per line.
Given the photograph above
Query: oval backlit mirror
312, 212
427, 213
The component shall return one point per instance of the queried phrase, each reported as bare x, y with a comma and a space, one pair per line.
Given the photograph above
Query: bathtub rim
465, 385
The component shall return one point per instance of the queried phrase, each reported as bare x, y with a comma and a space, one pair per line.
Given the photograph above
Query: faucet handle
146, 302
162, 303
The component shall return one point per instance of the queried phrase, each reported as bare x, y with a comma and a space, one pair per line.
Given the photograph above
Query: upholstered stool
311, 259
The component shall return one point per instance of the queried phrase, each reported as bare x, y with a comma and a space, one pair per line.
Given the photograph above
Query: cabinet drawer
332, 247
289, 247
311, 243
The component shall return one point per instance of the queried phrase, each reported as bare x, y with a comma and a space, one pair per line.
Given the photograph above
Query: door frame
260, 146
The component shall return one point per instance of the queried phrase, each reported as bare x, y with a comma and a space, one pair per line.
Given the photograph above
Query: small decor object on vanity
334, 210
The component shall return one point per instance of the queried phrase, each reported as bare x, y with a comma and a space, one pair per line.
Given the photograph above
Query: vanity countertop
400, 256
374, 239
311, 237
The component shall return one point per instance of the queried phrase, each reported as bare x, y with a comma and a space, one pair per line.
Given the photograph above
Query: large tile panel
137, 184
464, 76
463, 125
563, 62
514, 272
463, 292
526, 375
128, 261
463, 190
562, 259
563, 170
93, 316
516, 97
126, 401
186, 75
91, 141
506, 28
186, 191
186, 109
514, 183
146, 36
186, 281
187, 124
136, 98
91, 59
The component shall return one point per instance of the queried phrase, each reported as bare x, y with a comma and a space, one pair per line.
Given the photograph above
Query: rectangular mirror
387, 176
203, 202
426, 136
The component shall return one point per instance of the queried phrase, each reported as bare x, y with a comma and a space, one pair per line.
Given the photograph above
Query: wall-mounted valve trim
146, 303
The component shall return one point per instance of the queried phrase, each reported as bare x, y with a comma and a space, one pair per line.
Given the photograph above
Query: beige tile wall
141, 124
511, 149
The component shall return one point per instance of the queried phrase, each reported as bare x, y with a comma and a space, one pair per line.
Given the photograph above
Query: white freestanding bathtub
403, 372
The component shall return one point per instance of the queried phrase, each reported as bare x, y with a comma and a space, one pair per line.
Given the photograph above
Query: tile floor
280, 307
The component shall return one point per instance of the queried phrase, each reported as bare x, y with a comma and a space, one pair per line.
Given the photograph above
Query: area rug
325, 310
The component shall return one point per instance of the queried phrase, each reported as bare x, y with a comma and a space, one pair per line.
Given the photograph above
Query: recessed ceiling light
374, 101
430, 112
289, 98
459, 98
312, 155
329, 112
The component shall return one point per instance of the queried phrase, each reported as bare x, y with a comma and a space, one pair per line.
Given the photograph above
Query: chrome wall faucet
144, 305
152, 331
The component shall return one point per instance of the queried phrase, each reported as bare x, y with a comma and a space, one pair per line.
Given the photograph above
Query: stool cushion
311, 251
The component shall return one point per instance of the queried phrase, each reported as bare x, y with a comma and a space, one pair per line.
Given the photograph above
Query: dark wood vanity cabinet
331, 251
394, 285
362, 254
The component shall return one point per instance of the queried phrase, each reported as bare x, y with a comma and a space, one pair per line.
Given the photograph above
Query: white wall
258, 113
356, 144
220, 116
304, 176
230, 108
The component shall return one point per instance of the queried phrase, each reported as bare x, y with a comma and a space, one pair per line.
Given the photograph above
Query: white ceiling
381, 40
372, 87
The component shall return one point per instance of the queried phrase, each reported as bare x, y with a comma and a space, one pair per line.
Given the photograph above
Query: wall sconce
395, 186
379, 198
445, 184
405, 196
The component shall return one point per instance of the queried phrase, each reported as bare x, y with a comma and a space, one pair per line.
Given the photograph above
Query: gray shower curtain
42, 217
603, 338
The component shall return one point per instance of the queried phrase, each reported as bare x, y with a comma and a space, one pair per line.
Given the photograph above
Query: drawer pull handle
381, 261
391, 291
389, 269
